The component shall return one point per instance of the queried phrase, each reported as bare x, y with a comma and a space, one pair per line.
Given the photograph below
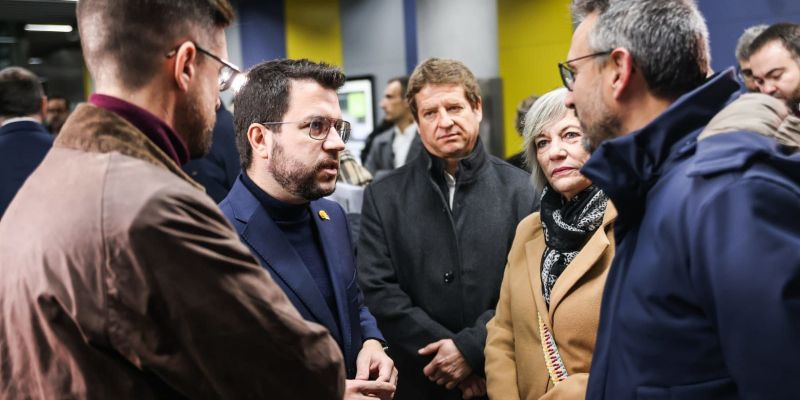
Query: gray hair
580, 9
544, 112
743, 44
668, 40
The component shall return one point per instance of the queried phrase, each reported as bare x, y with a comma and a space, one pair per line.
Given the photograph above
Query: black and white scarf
567, 226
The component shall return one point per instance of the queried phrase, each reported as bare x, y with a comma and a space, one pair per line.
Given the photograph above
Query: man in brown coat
121, 279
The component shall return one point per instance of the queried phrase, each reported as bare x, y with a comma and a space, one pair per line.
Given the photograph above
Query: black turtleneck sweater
296, 222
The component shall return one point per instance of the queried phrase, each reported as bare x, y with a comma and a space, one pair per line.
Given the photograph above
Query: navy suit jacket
23, 145
268, 243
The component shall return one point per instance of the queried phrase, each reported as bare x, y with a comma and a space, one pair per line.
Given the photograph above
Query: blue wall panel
410, 22
263, 32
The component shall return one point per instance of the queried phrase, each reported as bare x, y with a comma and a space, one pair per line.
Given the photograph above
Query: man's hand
448, 366
368, 390
472, 386
373, 363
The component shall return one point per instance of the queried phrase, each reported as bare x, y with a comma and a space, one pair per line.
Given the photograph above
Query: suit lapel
326, 229
534, 249
583, 262
270, 244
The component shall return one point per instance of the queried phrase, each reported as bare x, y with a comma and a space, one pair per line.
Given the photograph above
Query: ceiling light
48, 28
34, 61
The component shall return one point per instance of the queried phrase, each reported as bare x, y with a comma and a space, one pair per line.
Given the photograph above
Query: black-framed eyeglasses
568, 74
227, 72
320, 127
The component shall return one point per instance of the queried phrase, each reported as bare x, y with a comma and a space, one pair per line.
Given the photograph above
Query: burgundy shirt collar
154, 128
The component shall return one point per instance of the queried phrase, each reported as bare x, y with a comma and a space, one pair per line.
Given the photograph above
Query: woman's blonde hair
544, 112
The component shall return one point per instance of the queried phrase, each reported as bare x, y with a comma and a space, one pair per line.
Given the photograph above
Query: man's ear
185, 65
622, 69
261, 141
479, 109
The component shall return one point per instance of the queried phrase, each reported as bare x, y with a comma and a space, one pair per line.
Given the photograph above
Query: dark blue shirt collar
278, 210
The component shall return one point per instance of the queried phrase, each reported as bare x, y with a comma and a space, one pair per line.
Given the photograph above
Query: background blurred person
540, 341
743, 56
57, 113
518, 160
400, 143
775, 61
121, 278
24, 141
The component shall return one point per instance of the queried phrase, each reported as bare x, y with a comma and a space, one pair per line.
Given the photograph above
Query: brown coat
515, 367
122, 280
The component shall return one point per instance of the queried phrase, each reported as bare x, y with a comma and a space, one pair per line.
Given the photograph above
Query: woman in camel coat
541, 340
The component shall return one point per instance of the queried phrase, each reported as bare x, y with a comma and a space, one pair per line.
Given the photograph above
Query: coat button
449, 276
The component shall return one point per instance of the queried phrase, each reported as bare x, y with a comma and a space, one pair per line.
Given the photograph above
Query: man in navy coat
290, 133
23, 139
702, 300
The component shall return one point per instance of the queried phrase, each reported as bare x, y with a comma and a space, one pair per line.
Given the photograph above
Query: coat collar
628, 166
153, 127
95, 130
25, 125
469, 168
264, 236
583, 263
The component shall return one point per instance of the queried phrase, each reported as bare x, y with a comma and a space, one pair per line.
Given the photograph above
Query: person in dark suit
290, 134
24, 141
218, 169
434, 238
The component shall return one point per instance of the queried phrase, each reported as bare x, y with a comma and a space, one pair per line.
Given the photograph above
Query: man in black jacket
435, 235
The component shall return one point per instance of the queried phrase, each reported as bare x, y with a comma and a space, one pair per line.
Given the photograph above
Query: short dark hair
442, 71
128, 39
403, 81
265, 95
786, 33
20, 93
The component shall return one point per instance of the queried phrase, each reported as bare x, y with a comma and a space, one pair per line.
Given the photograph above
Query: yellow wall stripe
533, 38
313, 30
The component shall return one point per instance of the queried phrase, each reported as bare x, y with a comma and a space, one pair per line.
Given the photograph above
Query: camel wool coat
515, 366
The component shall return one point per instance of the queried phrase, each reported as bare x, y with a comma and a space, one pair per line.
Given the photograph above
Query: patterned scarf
567, 226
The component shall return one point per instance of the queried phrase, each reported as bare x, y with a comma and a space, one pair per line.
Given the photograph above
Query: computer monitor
356, 100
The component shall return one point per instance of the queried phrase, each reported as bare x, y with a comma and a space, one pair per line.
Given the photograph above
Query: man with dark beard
775, 63
290, 133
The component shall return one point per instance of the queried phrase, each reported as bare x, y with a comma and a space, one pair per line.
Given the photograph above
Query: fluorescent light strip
48, 28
